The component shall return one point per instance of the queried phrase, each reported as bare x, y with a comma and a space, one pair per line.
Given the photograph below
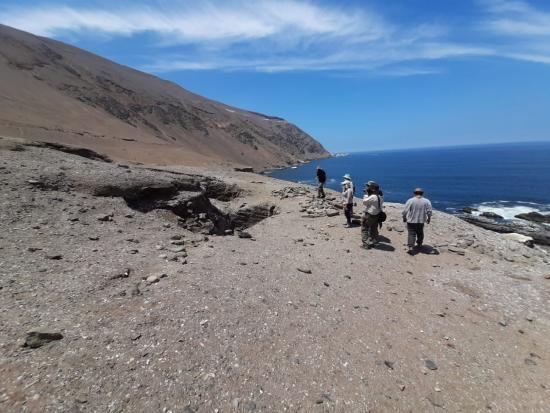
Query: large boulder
535, 217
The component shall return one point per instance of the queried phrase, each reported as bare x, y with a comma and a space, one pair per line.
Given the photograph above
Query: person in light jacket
347, 201
373, 202
417, 212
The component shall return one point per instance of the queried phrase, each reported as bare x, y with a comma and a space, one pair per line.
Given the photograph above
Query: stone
430, 364
104, 217
491, 215
35, 339
177, 249
535, 217
332, 213
244, 234
244, 169
93, 238
522, 239
134, 290
456, 250
304, 270
389, 364
54, 256
152, 279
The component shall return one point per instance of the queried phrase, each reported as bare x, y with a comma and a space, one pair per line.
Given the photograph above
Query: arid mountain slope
55, 92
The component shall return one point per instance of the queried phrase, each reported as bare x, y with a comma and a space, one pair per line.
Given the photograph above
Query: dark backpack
382, 215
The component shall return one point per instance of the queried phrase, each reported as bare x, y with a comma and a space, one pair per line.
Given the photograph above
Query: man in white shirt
417, 212
373, 203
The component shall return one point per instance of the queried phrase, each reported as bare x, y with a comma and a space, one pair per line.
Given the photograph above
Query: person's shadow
384, 244
425, 249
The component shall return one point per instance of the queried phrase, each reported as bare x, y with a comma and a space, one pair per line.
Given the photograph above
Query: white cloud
517, 19
289, 35
521, 30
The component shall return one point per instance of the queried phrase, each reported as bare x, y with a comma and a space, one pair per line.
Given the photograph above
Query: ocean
507, 179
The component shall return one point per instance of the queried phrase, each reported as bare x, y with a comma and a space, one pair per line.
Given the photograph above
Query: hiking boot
410, 250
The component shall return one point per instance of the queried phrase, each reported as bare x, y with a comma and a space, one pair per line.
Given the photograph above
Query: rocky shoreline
130, 288
532, 225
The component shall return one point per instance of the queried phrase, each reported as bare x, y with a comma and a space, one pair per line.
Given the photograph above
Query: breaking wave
509, 209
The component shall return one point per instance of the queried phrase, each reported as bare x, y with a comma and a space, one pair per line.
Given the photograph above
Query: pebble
304, 270
104, 217
152, 279
430, 364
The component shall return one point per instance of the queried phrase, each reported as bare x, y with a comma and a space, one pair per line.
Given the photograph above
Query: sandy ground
299, 318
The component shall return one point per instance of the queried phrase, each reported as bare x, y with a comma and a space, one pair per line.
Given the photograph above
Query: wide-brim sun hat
347, 177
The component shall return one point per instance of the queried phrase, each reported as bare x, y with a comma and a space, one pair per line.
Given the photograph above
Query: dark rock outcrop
535, 217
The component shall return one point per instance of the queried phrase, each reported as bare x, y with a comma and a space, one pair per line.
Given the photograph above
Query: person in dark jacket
321, 178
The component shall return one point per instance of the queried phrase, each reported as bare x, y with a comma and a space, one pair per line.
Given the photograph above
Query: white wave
508, 210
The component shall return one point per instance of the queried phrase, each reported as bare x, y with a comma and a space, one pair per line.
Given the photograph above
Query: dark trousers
369, 230
415, 232
320, 190
348, 211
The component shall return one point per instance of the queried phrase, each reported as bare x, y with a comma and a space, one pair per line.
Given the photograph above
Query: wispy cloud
521, 30
290, 35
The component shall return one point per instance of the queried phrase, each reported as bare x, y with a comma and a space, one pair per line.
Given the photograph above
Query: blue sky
357, 75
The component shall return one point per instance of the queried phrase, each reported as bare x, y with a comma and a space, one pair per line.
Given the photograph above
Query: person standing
417, 212
321, 178
347, 202
347, 177
373, 203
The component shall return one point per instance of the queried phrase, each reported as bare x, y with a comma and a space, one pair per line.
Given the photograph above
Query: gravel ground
296, 317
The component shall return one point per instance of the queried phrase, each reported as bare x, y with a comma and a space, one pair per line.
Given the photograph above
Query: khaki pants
369, 229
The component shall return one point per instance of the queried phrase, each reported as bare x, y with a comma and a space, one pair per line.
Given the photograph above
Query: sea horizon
419, 148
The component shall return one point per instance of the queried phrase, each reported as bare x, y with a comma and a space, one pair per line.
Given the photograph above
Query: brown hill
54, 92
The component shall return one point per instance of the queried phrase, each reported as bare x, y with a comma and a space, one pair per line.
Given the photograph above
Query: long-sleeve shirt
347, 196
417, 210
371, 204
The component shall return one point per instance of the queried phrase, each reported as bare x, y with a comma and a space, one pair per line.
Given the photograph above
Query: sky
355, 74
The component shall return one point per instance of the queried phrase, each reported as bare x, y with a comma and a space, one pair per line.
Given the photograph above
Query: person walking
347, 202
417, 212
373, 203
321, 178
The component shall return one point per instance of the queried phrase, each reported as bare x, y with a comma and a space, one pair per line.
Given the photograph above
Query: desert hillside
55, 92
127, 288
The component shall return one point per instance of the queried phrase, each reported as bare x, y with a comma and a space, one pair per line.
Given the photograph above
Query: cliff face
56, 92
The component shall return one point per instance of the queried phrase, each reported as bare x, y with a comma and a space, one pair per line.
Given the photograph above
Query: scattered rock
389, 364
304, 270
456, 250
244, 234
54, 256
430, 364
104, 217
152, 279
244, 169
35, 339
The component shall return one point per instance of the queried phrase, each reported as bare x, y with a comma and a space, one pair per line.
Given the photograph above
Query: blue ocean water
506, 178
